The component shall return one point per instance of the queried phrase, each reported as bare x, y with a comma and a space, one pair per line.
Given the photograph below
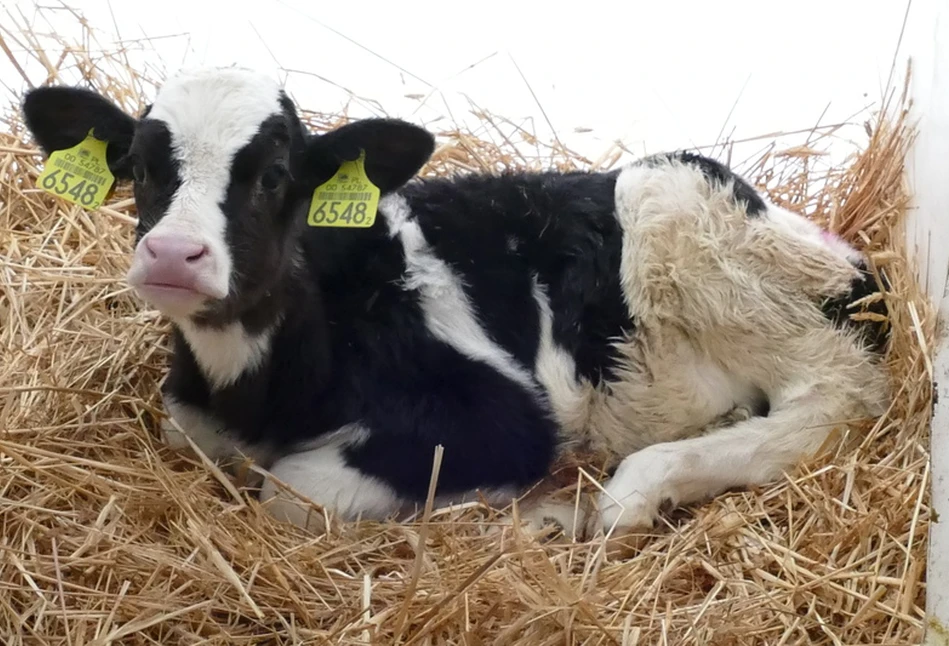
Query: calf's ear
395, 151
61, 117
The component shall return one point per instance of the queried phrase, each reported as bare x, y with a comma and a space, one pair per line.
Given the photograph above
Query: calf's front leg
324, 476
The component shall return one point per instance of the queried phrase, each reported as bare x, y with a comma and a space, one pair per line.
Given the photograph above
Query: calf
665, 313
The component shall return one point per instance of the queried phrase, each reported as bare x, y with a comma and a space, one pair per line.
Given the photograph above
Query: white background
652, 75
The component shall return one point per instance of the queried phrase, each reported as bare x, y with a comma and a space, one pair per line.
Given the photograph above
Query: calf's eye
272, 177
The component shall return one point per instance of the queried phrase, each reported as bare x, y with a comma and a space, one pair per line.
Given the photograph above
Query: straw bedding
108, 537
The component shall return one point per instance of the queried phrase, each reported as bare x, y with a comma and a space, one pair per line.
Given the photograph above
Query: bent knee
321, 479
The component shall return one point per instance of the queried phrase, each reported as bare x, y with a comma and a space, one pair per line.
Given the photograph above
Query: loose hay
108, 537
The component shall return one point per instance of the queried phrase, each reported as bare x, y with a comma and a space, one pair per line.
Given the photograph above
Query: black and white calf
664, 313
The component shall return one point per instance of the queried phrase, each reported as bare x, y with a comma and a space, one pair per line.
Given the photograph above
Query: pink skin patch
841, 246
831, 238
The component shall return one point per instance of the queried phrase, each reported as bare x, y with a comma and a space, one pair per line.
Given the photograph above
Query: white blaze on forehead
216, 110
211, 114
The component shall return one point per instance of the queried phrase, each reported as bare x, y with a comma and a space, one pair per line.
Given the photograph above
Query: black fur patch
838, 310
499, 232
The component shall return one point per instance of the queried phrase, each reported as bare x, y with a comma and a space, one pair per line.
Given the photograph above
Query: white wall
927, 42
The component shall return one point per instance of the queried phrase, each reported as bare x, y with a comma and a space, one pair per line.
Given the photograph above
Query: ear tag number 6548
348, 199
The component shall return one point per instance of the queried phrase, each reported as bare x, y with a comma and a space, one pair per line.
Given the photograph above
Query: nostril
150, 249
198, 254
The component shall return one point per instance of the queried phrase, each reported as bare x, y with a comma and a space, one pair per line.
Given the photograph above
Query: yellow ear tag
348, 199
79, 174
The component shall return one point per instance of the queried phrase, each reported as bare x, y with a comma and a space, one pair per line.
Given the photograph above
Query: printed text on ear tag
79, 174
348, 199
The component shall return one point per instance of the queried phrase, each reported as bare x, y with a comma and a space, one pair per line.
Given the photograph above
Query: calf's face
211, 161
222, 171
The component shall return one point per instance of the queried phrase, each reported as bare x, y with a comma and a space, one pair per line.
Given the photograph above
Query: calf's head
223, 171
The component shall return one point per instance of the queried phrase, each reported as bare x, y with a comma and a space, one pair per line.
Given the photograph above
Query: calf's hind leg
744, 290
753, 452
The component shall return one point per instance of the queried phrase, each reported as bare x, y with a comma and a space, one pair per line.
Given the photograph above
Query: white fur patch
448, 312
225, 354
678, 186
322, 476
715, 391
555, 367
641, 191
797, 225
643, 480
211, 114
